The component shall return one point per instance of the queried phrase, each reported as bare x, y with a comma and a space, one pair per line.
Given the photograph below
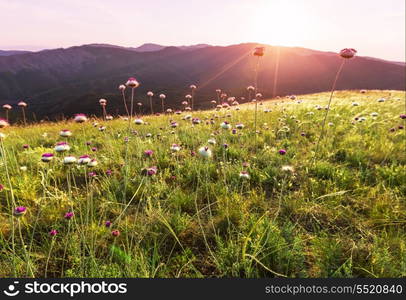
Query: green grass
342, 214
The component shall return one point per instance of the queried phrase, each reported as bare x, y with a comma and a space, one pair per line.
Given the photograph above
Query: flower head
62, 147
7, 106
347, 53
69, 215
20, 211
53, 232
68, 160
22, 104
115, 233
244, 175
47, 157
282, 151
205, 152
259, 51
80, 118
3, 123
132, 82
65, 133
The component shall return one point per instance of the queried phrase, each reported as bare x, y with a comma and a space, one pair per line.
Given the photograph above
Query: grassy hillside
337, 212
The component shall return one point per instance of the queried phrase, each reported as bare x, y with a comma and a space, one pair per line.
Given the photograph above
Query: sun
284, 23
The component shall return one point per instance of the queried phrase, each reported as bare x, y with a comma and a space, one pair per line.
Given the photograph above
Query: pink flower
115, 233
132, 82
53, 232
347, 53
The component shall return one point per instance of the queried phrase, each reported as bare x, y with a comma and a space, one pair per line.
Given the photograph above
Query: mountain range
59, 82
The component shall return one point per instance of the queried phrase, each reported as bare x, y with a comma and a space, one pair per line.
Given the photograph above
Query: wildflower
234, 131
330, 124
65, 133
225, 125
138, 121
109, 172
121, 87
355, 104
162, 96
282, 151
148, 153
69, 215
196, 121
23, 168
94, 149
91, 174
381, 100
115, 233
84, 160
103, 102
92, 163
259, 51
20, 211
3, 123
102, 128
348, 53
401, 127
80, 118
225, 146
109, 118
62, 147
211, 141
47, 157
174, 124
132, 82
175, 148
107, 224
244, 175
150, 171
53, 232
250, 88
402, 116
288, 169
205, 152
374, 114
69, 160
22, 104
239, 126
245, 164
7, 106
148, 135
150, 94
303, 133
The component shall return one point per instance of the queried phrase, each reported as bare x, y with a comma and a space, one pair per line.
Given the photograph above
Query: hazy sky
373, 27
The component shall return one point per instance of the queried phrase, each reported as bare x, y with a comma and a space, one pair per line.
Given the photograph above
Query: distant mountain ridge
72, 80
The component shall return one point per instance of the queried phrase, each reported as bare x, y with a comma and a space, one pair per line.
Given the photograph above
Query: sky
373, 27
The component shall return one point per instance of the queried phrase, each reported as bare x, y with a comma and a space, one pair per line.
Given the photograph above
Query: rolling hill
67, 81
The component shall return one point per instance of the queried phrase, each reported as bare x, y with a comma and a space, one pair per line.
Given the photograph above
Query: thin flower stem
328, 109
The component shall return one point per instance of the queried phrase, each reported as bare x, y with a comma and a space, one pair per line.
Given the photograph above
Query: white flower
132, 82
374, 114
330, 124
102, 128
109, 117
69, 160
225, 125
23, 168
205, 152
65, 133
239, 126
381, 100
61, 147
80, 118
138, 121
355, 104
211, 141
3, 123
244, 175
84, 160
92, 163
288, 169
175, 148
